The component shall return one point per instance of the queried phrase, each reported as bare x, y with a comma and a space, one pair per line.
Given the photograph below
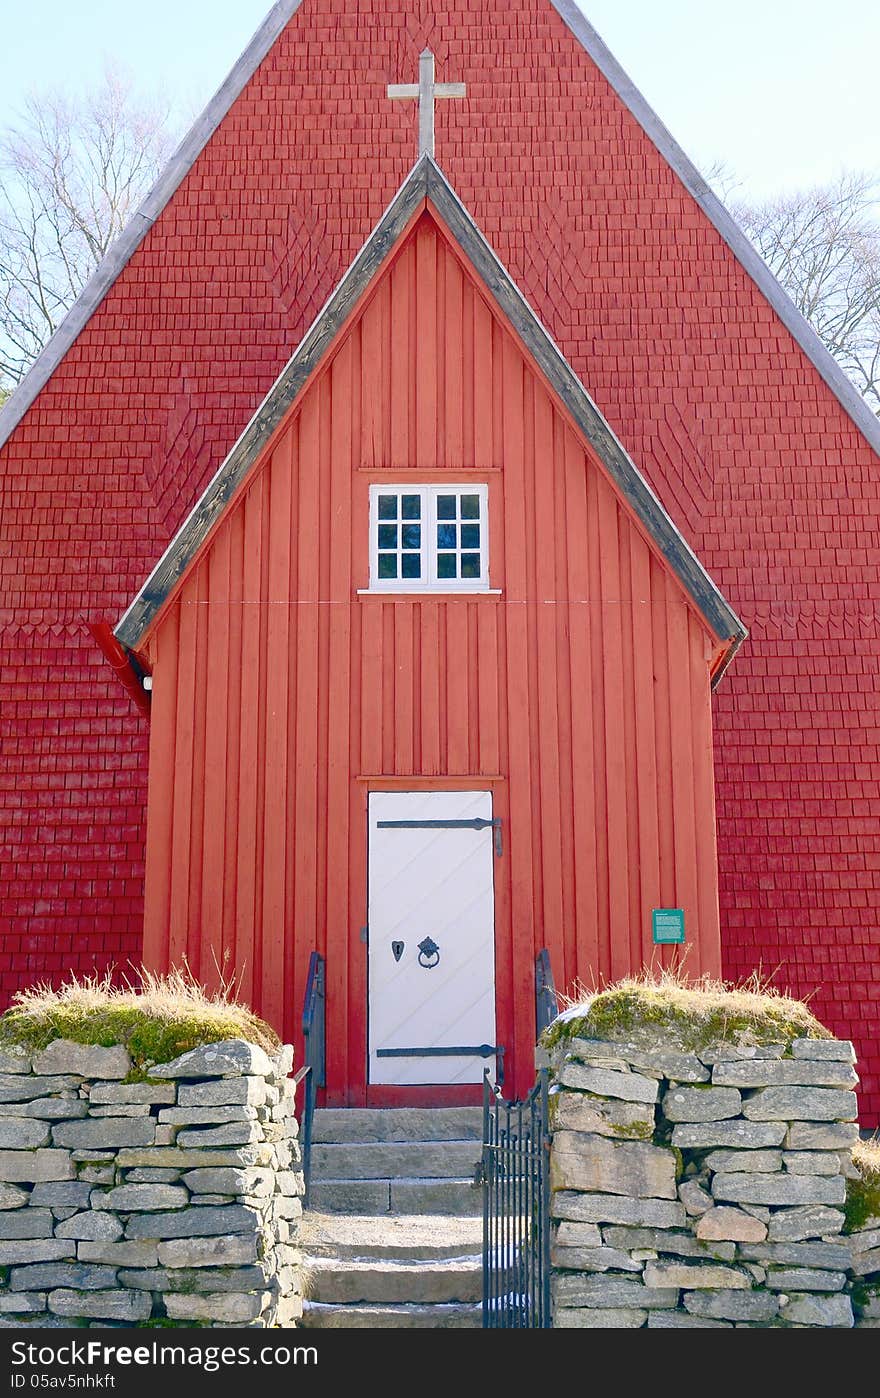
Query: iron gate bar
478, 823
516, 1209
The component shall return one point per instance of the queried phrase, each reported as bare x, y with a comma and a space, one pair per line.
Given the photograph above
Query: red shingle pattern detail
750, 451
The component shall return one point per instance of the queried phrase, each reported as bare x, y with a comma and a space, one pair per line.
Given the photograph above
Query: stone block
35, 1166
105, 1132
119, 1109
740, 1053
152, 1175
738, 1135
583, 1318
24, 1089
829, 1050
27, 1223
865, 1239
207, 1116
779, 1189
609, 1292
594, 1163
794, 1225
801, 1104
194, 1223
22, 1133
248, 1133
228, 1058
63, 1108
88, 1060
731, 1225
97, 1174
244, 1182
131, 1254
171, 1157
830, 1311
611, 1208
761, 1306
593, 1259
110, 1094
784, 1072
628, 1087
61, 1194
599, 1116
197, 1279
223, 1092
865, 1264
237, 1249
129, 1197
734, 1162
66, 1274
14, 1250
696, 1104
290, 1182
703, 1277
804, 1279
812, 1162
667, 1241
662, 1063
90, 1227
578, 1235
828, 1256
21, 1303
227, 1308
11, 1197
127, 1306
809, 1135
14, 1059
681, 1320
694, 1197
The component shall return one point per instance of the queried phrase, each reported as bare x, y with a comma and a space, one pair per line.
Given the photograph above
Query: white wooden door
431, 935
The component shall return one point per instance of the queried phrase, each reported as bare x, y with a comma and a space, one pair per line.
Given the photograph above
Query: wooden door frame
431, 1095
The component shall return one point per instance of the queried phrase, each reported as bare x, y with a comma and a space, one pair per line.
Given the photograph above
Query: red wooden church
430, 469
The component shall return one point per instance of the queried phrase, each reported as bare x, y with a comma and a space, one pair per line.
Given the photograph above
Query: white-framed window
429, 537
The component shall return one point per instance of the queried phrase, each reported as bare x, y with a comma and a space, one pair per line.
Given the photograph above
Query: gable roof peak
426, 184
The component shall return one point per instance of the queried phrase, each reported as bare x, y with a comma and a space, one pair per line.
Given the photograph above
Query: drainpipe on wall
125, 665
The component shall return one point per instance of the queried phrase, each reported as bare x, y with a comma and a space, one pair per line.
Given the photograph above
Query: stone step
455, 1197
347, 1125
415, 1237
384, 1160
319, 1316
389, 1281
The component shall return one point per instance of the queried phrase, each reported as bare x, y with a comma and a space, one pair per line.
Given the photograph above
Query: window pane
446, 565
388, 507
412, 536
412, 507
470, 536
388, 536
470, 507
446, 536
446, 506
387, 565
470, 565
412, 565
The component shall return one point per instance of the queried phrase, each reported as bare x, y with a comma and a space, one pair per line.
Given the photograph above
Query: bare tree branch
824, 247
72, 172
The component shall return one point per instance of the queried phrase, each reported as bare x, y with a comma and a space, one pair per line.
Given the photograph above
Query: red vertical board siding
579, 695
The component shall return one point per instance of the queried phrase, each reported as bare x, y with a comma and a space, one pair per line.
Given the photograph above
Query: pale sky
784, 91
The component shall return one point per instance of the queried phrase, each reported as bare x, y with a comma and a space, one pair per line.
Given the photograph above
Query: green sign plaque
668, 925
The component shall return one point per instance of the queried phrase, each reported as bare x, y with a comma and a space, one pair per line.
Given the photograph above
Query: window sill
404, 594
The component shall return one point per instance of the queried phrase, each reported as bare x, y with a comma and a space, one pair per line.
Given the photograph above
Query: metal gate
515, 1176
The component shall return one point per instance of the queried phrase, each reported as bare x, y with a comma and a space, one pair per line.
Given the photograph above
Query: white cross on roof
426, 90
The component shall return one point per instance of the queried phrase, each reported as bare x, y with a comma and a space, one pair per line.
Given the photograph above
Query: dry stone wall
136, 1203
706, 1190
